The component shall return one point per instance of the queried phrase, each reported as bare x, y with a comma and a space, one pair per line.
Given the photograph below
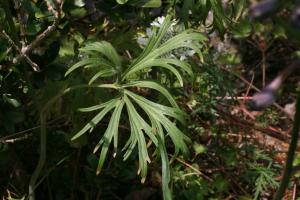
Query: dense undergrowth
144, 99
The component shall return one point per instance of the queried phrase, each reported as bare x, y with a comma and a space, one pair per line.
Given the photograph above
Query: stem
43, 134
42, 158
291, 153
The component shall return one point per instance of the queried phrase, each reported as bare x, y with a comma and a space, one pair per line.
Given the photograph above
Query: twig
262, 47
234, 98
23, 55
258, 90
128, 54
269, 131
294, 192
28, 48
194, 169
16, 139
249, 87
9, 137
267, 96
190, 174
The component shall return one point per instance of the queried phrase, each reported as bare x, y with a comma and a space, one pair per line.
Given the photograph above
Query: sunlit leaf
9, 99
111, 131
137, 130
122, 1
155, 86
96, 119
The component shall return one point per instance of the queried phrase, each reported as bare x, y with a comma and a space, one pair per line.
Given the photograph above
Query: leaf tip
74, 138
95, 150
98, 172
143, 180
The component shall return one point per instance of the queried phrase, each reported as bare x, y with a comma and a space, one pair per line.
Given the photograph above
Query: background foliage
153, 94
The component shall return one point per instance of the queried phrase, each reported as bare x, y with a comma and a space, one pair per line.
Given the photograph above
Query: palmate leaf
102, 73
188, 39
105, 49
102, 55
155, 86
158, 120
137, 127
108, 106
96, 107
154, 40
164, 110
111, 132
167, 64
88, 63
159, 116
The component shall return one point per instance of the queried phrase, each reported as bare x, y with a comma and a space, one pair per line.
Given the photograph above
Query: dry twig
258, 90
27, 49
198, 172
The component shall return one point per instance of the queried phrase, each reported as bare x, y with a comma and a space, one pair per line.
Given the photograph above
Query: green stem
43, 132
41, 162
291, 153
165, 169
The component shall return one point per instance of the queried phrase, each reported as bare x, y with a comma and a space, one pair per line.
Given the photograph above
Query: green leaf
229, 59
79, 3
296, 160
242, 30
121, 1
137, 131
154, 50
143, 125
155, 86
146, 3
89, 62
101, 55
165, 110
109, 105
14, 102
78, 12
199, 148
279, 31
183, 65
96, 107
176, 135
111, 131
102, 73
239, 7
153, 126
220, 19
105, 49
151, 3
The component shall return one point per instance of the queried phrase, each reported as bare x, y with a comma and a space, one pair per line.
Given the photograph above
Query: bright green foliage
113, 95
157, 123
265, 176
265, 179
143, 3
